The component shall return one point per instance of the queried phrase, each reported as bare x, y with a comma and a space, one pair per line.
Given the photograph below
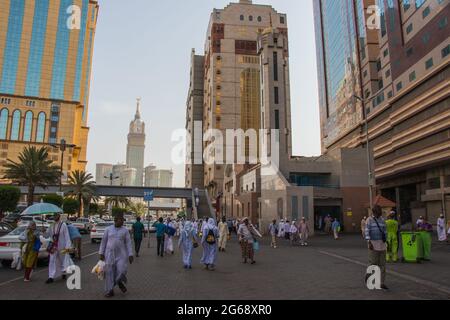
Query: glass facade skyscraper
45, 69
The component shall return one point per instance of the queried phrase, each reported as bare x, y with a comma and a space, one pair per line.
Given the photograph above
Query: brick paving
327, 269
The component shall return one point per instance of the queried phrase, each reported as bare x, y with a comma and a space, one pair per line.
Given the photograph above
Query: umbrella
41, 209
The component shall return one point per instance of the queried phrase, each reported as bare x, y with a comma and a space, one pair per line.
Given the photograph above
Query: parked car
5, 228
148, 226
12, 218
83, 225
98, 231
25, 221
10, 244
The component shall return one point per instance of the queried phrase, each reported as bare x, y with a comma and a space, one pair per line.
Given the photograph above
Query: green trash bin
426, 244
412, 247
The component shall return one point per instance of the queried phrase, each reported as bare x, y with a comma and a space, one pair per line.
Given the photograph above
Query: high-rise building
45, 69
194, 124
232, 74
158, 178
129, 177
118, 171
136, 146
103, 173
399, 71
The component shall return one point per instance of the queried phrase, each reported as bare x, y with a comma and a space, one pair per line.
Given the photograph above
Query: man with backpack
209, 243
376, 236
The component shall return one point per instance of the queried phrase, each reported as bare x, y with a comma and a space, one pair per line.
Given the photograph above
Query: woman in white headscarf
210, 236
188, 238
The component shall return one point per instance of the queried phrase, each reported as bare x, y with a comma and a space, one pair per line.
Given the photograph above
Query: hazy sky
142, 49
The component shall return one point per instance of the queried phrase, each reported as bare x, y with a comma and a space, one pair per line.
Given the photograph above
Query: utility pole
62, 147
369, 163
111, 178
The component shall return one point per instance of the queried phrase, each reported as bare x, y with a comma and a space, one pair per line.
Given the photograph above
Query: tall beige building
136, 147
232, 74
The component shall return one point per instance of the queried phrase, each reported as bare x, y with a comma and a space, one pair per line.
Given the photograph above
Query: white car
25, 221
83, 225
11, 244
98, 231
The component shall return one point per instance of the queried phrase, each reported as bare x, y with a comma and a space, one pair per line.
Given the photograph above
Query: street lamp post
111, 178
63, 147
369, 163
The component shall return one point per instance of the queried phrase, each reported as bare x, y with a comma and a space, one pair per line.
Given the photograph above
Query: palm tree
81, 187
33, 169
117, 201
137, 208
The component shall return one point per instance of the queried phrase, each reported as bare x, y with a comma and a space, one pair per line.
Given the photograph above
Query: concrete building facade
194, 171
247, 86
103, 173
45, 72
403, 71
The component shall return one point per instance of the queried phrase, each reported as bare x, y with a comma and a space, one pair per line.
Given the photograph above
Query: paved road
327, 269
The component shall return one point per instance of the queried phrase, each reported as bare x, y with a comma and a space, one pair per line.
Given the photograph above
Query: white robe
168, 242
281, 230
441, 229
58, 262
116, 247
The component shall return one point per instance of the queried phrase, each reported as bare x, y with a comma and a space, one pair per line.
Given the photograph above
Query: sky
142, 49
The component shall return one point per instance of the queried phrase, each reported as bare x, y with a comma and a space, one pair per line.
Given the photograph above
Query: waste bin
426, 244
412, 247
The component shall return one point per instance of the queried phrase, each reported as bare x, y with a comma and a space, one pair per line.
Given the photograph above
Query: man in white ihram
116, 251
58, 249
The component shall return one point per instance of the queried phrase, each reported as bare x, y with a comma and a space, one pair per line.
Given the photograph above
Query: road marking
40, 271
427, 283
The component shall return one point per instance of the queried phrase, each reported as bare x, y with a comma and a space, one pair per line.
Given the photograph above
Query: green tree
70, 206
93, 208
9, 197
117, 201
138, 208
81, 187
33, 169
55, 199
116, 211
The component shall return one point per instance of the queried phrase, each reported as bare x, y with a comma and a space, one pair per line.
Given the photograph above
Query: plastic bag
99, 270
17, 261
255, 245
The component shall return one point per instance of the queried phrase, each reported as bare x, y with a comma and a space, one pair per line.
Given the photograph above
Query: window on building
15, 127
27, 129
40, 128
385, 53
259, 19
277, 120
399, 86
426, 12
4, 114
275, 66
242, 17
388, 73
412, 76
429, 63
409, 28
446, 51
426, 38
282, 20
390, 94
409, 52
276, 95
443, 23
250, 18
